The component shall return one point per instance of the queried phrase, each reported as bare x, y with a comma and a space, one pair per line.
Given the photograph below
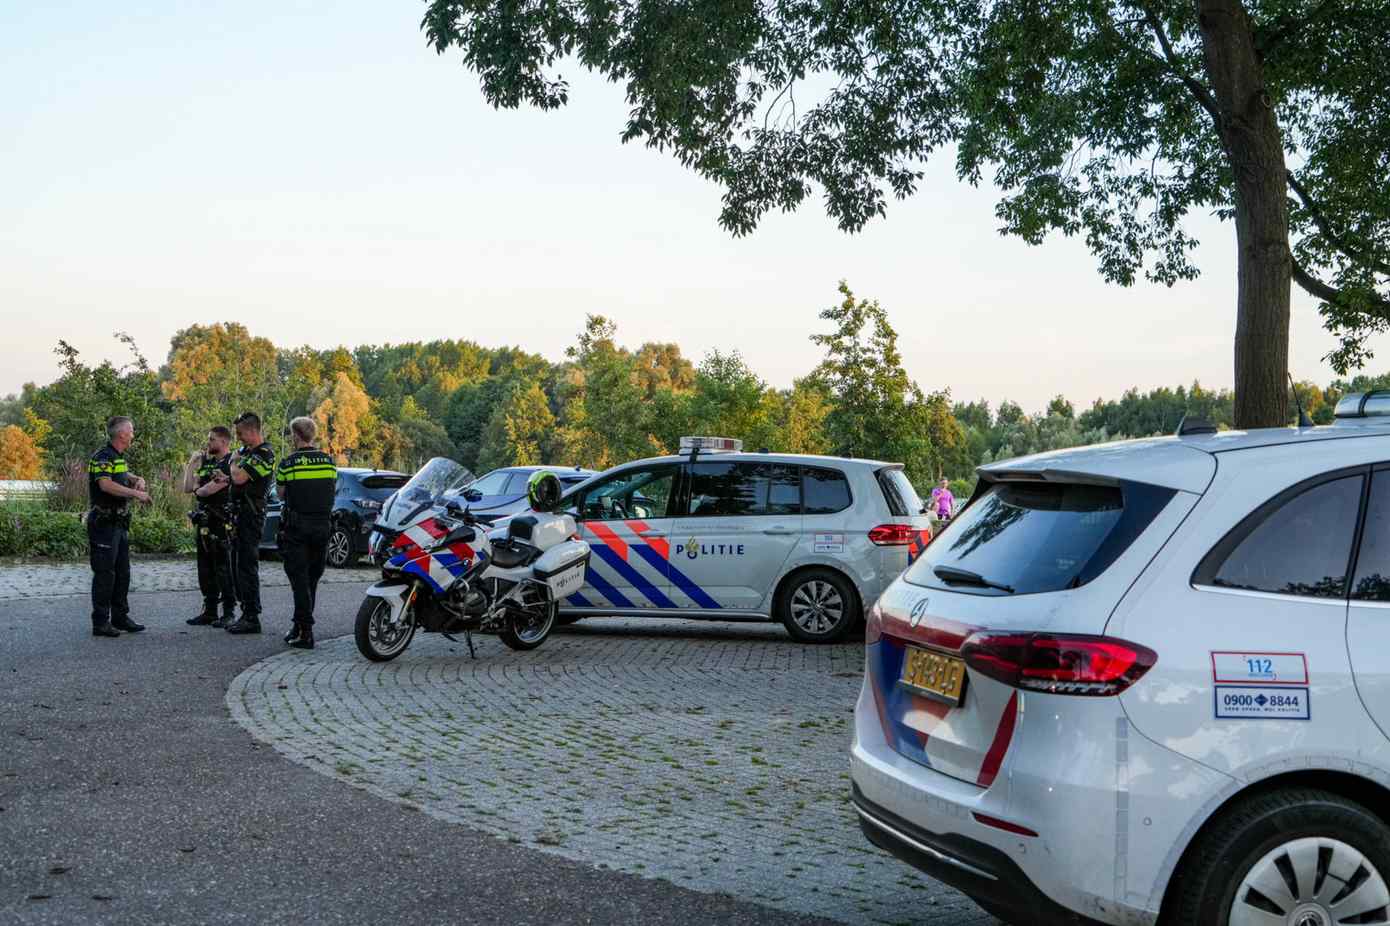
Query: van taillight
1070, 665
892, 535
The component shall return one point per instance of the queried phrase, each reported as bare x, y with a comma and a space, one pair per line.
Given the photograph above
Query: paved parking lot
24, 580
713, 756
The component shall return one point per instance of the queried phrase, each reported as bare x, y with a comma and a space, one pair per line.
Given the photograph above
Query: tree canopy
1114, 121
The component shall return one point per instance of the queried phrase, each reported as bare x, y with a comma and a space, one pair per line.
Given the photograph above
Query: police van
714, 532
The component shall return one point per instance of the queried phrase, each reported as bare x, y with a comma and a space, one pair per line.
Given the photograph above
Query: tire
340, 554
525, 638
1317, 837
818, 606
371, 642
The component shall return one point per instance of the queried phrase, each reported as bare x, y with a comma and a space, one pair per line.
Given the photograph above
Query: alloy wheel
817, 607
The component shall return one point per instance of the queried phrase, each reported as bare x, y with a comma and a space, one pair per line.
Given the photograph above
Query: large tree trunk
1255, 151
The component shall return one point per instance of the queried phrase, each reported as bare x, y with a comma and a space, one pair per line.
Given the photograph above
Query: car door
1368, 617
741, 520
625, 519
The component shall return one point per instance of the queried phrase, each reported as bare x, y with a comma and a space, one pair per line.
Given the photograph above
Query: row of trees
395, 406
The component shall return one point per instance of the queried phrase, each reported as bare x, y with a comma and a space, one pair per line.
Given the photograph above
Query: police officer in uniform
251, 469
111, 485
307, 480
207, 476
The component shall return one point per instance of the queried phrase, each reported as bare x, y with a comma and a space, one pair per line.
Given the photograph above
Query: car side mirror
472, 495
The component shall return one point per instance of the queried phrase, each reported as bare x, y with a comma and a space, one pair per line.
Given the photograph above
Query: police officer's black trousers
108, 549
215, 579
249, 523
304, 548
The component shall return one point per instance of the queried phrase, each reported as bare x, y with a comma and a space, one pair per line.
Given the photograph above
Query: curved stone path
713, 756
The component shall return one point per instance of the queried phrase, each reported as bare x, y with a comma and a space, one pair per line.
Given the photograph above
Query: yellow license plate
935, 675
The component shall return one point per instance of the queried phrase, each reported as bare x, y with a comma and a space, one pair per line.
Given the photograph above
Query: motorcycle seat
512, 555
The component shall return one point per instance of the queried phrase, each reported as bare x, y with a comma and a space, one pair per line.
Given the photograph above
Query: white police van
1148, 682
714, 532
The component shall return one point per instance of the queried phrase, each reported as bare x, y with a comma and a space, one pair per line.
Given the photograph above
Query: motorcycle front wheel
377, 638
528, 629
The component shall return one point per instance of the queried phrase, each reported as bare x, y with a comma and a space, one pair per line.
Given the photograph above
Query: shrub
32, 530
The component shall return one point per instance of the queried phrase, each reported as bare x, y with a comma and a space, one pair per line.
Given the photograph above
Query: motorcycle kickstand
467, 638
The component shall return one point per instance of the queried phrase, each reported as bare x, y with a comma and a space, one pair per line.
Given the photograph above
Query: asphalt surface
127, 794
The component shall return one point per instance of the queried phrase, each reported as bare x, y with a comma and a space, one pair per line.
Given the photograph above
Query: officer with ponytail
307, 481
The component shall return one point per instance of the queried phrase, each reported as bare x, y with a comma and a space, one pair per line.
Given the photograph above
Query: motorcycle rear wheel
522, 634
377, 638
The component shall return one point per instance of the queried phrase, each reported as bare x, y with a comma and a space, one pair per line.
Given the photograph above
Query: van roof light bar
696, 445
1372, 404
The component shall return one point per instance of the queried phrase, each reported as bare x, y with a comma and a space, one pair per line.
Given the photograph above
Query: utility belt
290, 519
246, 504
212, 520
109, 517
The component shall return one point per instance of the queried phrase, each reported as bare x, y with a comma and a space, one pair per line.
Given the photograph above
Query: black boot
104, 629
249, 623
126, 624
295, 630
206, 619
305, 640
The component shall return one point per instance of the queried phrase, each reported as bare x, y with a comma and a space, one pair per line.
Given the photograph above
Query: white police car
714, 532
1148, 681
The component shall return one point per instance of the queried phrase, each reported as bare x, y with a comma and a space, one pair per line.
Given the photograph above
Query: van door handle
779, 531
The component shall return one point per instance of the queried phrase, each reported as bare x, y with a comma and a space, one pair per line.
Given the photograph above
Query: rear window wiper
956, 576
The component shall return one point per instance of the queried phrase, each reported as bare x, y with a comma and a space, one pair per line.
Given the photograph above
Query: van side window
733, 489
1301, 547
824, 491
1372, 582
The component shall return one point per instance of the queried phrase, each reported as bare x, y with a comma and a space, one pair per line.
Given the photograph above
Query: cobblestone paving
54, 580
713, 756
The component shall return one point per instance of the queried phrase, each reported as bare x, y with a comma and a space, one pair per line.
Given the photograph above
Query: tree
879, 412
341, 411
519, 431
1112, 120
19, 458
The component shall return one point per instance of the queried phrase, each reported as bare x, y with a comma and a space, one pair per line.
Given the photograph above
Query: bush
33, 530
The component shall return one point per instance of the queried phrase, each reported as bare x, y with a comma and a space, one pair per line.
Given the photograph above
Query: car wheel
1294, 856
339, 547
818, 606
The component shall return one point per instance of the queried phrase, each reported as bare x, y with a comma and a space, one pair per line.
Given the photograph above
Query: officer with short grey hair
110, 486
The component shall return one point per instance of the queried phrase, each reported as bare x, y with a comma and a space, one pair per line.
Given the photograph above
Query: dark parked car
360, 495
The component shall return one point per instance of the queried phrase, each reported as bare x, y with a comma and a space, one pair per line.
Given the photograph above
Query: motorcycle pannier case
562, 568
541, 530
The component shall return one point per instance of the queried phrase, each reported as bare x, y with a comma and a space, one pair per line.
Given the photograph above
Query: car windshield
494, 483
1031, 537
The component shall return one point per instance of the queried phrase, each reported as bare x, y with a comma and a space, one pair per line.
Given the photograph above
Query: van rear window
1034, 537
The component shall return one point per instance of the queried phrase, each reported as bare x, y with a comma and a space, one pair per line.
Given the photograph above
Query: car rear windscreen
1040, 536
381, 485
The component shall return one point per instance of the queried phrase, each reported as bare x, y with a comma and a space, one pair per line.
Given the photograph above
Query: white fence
12, 489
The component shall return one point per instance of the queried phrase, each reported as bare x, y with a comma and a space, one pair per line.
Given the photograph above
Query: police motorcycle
444, 571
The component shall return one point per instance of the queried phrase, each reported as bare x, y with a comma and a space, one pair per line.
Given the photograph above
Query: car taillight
892, 535
1057, 664
873, 625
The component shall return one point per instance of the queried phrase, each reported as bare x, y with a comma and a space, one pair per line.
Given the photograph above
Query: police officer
307, 480
207, 476
111, 485
251, 469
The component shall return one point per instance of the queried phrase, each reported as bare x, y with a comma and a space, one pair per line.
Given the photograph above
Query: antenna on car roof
1303, 420
1191, 425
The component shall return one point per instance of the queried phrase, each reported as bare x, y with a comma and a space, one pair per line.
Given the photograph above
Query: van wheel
1297, 856
818, 606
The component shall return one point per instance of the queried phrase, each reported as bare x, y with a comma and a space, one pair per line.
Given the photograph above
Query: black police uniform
108, 541
307, 480
248, 507
212, 522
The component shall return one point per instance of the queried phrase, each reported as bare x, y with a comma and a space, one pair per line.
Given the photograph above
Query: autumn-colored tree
19, 458
340, 410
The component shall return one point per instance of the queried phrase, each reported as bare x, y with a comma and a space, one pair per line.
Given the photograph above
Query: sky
318, 174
